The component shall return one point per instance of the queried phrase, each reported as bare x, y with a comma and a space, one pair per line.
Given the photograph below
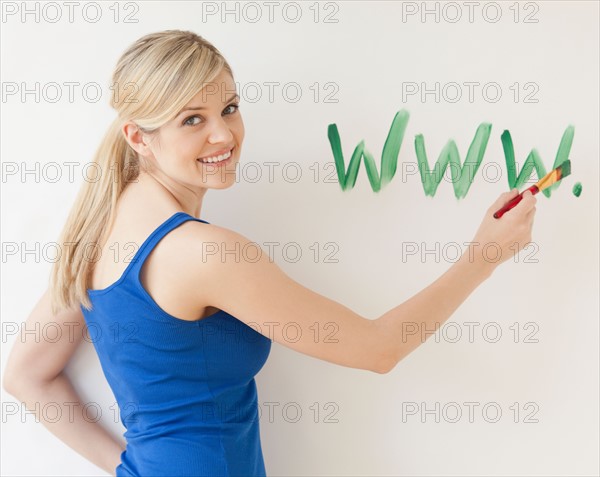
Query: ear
136, 138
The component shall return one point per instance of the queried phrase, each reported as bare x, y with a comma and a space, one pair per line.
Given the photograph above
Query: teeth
216, 158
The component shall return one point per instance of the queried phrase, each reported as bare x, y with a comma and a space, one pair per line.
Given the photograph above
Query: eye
236, 106
187, 123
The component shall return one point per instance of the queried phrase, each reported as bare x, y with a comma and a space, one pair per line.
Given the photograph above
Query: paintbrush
552, 177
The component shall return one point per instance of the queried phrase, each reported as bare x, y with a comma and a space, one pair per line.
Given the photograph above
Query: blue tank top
185, 389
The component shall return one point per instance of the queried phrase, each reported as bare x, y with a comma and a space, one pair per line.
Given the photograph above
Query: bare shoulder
213, 251
193, 255
211, 240
203, 240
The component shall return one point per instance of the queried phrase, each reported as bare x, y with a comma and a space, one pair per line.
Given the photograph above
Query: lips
217, 153
218, 164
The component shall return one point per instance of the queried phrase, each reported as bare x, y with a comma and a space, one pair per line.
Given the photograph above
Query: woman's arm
34, 375
222, 269
69, 422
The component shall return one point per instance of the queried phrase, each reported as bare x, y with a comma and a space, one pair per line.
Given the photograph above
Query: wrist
477, 265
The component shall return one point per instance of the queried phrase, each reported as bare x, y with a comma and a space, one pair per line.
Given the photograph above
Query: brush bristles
554, 175
564, 169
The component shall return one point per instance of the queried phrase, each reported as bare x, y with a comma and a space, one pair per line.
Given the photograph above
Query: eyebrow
192, 108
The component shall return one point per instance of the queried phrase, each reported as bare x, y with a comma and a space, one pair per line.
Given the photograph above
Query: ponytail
91, 217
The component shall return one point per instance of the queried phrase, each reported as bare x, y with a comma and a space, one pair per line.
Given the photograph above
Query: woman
182, 329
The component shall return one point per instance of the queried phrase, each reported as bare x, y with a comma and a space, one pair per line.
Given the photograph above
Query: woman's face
210, 125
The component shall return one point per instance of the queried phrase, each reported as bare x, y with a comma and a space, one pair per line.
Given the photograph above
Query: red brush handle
514, 201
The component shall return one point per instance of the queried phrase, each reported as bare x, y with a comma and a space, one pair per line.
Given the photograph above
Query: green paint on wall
535, 161
462, 176
577, 189
389, 155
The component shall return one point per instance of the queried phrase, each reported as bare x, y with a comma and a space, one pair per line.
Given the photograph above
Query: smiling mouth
217, 159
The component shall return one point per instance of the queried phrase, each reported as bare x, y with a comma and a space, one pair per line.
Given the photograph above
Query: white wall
369, 56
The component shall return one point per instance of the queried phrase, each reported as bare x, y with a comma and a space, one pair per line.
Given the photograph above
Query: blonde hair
153, 80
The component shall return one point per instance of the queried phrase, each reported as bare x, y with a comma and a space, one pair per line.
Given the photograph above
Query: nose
220, 132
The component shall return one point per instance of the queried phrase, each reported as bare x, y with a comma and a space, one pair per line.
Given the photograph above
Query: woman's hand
507, 235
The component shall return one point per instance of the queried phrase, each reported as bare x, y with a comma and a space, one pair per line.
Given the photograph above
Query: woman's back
185, 388
136, 217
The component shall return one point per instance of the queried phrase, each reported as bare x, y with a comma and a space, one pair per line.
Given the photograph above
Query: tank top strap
148, 245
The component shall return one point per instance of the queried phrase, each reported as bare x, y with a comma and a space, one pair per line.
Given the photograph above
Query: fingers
503, 199
527, 203
530, 218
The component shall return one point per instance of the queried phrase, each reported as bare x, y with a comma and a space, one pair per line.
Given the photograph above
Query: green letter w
389, 156
449, 155
534, 160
